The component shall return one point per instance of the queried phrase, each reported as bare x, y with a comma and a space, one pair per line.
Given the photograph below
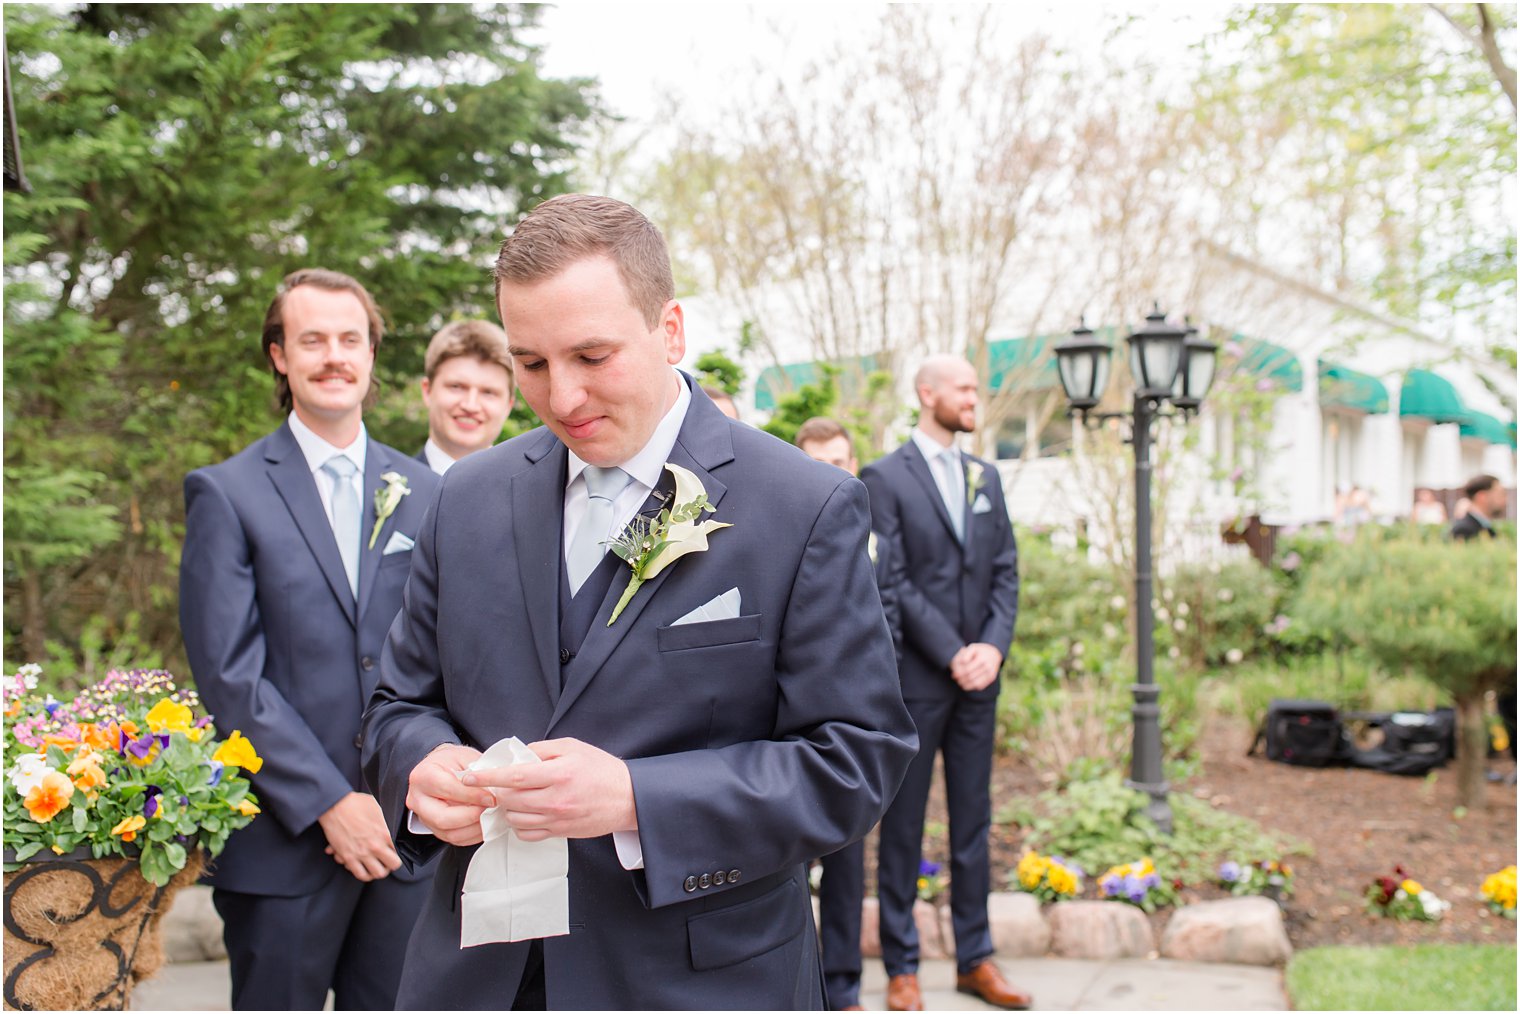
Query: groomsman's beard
950, 419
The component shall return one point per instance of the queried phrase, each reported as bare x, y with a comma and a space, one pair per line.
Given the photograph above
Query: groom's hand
579, 791
450, 809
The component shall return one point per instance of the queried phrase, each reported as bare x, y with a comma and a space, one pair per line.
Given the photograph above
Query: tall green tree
184, 158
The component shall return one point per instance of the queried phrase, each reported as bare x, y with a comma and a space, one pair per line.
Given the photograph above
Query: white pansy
28, 772
28, 675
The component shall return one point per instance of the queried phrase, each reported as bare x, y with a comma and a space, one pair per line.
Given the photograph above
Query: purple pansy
150, 804
1229, 871
217, 767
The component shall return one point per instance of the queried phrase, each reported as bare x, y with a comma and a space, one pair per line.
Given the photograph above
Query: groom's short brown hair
564, 229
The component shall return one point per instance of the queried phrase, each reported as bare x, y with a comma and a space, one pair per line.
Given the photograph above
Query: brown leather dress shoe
987, 982
903, 994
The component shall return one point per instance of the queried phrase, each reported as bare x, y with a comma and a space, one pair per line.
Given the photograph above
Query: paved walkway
1056, 984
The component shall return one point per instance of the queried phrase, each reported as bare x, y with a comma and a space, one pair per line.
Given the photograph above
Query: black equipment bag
1306, 733
1414, 742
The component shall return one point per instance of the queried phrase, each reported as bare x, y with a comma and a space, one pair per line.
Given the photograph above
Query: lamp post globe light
1172, 365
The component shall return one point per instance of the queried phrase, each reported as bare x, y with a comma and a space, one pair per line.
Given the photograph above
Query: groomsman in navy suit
467, 389
843, 886
701, 735
296, 551
958, 598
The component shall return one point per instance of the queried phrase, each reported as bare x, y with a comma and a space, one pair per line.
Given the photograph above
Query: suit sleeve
224, 640
840, 744
924, 627
1003, 599
407, 717
889, 576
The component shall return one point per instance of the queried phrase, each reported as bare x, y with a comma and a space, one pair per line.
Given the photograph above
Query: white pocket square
399, 542
982, 504
721, 607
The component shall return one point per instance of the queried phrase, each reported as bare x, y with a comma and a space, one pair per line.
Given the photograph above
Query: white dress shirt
933, 452
319, 452
437, 458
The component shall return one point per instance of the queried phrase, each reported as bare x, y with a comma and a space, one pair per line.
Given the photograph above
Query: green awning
1481, 426
775, 381
1270, 362
1343, 387
1023, 363
1428, 396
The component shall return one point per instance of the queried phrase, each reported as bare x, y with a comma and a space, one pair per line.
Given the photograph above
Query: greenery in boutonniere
648, 545
387, 499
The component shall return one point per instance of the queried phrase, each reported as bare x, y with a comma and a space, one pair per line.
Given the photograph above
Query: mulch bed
1358, 823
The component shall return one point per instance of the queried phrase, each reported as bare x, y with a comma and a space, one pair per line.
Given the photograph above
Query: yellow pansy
1411, 887
237, 752
245, 807
87, 774
169, 715
129, 826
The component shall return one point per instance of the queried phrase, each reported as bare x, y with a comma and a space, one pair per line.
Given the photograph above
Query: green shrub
1220, 611
1101, 823
1348, 680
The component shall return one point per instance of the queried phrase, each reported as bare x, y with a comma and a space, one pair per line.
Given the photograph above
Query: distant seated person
1487, 501
1427, 509
467, 390
723, 400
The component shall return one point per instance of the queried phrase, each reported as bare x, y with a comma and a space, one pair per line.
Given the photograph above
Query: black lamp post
1168, 365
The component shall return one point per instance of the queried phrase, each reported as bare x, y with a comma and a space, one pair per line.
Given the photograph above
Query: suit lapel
294, 482
703, 444
376, 463
538, 511
914, 459
970, 504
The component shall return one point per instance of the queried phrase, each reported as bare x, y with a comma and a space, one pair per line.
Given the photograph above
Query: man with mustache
467, 390
296, 551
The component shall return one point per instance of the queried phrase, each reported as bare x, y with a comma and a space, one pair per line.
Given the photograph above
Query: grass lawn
1425, 977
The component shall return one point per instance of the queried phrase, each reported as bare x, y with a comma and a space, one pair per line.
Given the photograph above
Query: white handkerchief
514, 889
721, 607
982, 504
399, 542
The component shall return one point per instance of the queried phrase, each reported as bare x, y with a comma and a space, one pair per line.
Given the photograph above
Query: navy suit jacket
951, 593
754, 743
278, 647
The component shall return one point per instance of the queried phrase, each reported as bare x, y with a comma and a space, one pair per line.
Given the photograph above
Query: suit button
565, 656
705, 882
720, 878
358, 741
366, 663
733, 876
691, 884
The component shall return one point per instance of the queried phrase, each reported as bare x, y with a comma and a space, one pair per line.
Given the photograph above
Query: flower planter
81, 932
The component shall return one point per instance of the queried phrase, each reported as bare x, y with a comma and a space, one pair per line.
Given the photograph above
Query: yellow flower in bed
1411, 887
1062, 880
237, 752
169, 715
245, 807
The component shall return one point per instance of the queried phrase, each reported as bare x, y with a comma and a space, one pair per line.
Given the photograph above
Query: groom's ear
672, 330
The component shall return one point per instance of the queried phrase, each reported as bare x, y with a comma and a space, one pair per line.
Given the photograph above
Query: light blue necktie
346, 517
955, 491
586, 550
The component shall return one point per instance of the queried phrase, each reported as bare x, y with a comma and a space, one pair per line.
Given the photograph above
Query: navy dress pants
839, 897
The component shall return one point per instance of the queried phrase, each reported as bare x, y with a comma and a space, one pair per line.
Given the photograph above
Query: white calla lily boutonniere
974, 474
387, 499
649, 545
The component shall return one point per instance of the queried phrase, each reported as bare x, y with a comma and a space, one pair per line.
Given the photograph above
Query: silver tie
586, 550
346, 517
955, 491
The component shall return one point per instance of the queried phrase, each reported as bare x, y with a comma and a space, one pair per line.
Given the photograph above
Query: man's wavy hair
564, 229
274, 322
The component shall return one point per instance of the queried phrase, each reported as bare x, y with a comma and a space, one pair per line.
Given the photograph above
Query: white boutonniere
871, 546
648, 545
387, 499
974, 473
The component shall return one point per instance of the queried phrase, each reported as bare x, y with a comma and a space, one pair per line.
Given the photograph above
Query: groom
694, 767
